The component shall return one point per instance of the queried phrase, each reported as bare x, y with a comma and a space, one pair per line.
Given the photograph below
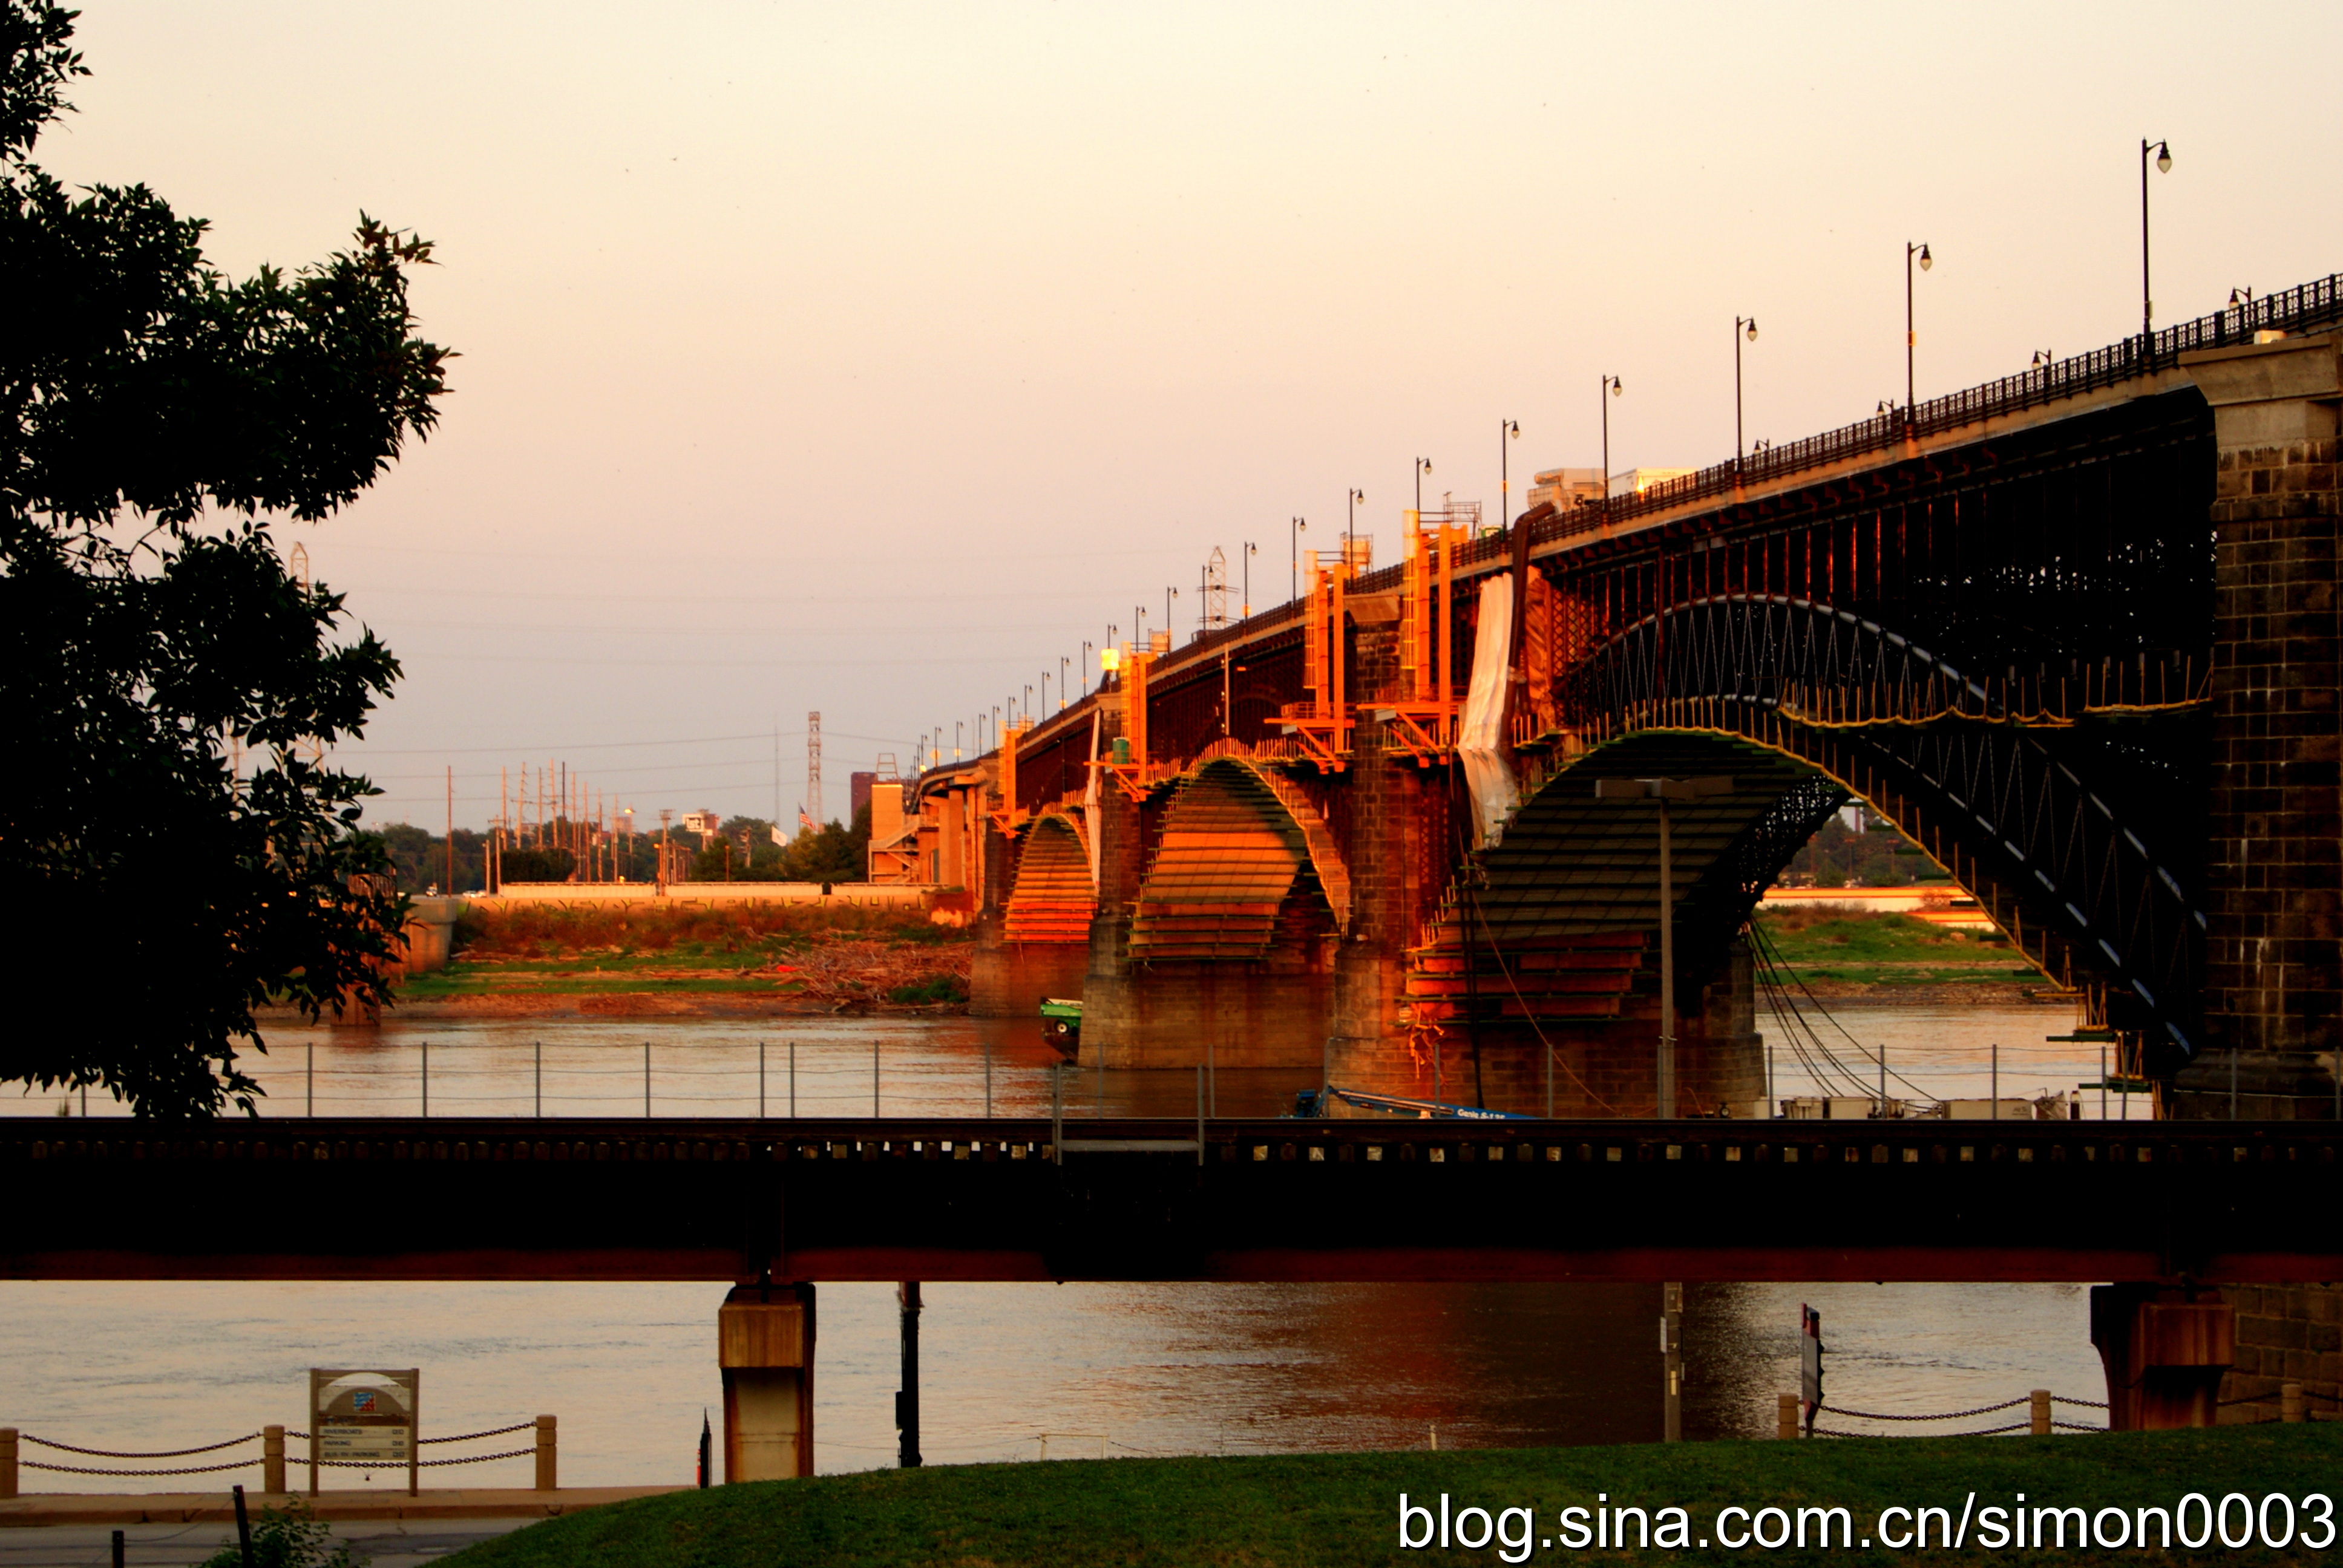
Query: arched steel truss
1988, 784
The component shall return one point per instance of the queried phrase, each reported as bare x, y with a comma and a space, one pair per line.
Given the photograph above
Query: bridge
2173, 1203
2074, 632
2165, 1208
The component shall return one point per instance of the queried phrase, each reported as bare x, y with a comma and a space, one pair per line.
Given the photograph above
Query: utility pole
450, 883
813, 767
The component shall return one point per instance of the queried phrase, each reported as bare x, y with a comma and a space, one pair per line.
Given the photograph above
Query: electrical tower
813, 768
1216, 591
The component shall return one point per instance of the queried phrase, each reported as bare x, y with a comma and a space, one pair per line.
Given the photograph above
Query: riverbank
1331, 1509
649, 961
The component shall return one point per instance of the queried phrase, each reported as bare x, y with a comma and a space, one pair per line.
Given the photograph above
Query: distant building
1635, 481
1565, 487
858, 794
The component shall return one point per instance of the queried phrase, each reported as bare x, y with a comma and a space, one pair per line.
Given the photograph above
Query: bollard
546, 1455
2040, 1426
121, 1547
7, 1462
1785, 1415
272, 1460
2290, 1402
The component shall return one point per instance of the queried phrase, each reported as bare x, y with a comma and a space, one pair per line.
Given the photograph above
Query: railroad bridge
2074, 632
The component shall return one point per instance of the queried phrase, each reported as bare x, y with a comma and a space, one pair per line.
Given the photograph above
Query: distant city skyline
872, 362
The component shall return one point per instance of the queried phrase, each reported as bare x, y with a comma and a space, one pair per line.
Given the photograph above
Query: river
1114, 1369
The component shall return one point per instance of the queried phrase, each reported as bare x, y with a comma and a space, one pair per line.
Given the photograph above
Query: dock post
764, 1346
7, 1462
272, 1460
1785, 1415
2038, 1413
548, 1455
1672, 1360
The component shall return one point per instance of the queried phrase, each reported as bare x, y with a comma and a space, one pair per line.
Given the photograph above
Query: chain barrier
467, 1437
87, 1470
290, 1458
135, 1454
1949, 1415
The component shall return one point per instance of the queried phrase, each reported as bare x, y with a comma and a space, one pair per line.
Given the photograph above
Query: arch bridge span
2069, 642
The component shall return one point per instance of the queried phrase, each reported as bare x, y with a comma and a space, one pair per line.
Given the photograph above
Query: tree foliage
157, 421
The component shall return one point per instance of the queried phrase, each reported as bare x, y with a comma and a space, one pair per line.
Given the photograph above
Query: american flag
806, 823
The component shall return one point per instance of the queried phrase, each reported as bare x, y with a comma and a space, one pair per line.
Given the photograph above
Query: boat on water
1311, 1102
1061, 1020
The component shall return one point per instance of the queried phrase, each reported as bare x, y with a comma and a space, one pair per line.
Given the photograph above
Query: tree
157, 422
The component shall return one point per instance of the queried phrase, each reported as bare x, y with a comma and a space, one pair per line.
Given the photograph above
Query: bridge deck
387, 1199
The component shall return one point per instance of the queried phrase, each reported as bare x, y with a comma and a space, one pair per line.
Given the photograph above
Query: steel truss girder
2088, 897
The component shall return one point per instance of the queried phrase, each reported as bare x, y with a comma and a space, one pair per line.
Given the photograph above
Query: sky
872, 360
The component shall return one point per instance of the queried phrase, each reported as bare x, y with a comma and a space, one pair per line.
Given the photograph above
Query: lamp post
1662, 791
1351, 526
1742, 326
1911, 338
1422, 467
1293, 539
1612, 384
1246, 557
2163, 151
1507, 430
1086, 667
1169, 593
1062, 662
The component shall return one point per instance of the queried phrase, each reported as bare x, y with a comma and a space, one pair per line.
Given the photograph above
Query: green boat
1061, 1020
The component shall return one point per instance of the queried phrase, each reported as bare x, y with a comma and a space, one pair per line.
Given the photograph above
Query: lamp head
1926, 261
1752, 332
2163, 157
1514, 428
1617, 386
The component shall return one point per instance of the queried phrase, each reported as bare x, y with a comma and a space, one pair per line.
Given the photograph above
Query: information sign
363, 1417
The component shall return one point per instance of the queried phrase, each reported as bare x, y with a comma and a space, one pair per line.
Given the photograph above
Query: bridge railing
270, 1459
2306, 307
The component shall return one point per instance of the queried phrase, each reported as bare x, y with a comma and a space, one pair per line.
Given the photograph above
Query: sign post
364, 1418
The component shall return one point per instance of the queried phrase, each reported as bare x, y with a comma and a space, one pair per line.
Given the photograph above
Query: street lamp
1614, 385
1086, 661
1911, 338
1062, 662
1356, 496
1169, 595
1293, 540
1662, 790
2147, 298
1246, 557
1742, 326
1507, 429
1422, 467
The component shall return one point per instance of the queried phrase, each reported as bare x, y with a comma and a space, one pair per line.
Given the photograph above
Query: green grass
1890, 949
1338, 1509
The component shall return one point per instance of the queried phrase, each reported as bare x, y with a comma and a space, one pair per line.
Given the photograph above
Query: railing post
272, 1460
2039, 1422
2290, 1402
546, 1455
1785, 1415
7, 1462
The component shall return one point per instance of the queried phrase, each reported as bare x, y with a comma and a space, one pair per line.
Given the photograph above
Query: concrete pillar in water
764, 1343
2274, 866
2165, 1351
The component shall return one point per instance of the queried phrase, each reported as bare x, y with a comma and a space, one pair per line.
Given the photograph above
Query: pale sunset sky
871, 359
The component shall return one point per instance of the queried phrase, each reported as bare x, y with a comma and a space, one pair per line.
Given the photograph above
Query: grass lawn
1344, 1508
1891, 949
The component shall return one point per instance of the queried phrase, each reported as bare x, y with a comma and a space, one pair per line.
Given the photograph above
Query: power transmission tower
1216, 591
813, 768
